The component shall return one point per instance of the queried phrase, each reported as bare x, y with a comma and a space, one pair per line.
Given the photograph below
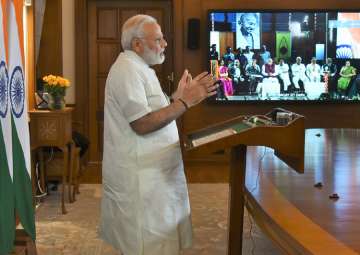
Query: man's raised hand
184, 81
199, 88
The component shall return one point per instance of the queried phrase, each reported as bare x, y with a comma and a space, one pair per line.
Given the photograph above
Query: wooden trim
93, 76
93, 173
59, 7
81, 114
50, 59
30, 56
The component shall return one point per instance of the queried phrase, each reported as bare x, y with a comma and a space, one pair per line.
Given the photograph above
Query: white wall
68, 45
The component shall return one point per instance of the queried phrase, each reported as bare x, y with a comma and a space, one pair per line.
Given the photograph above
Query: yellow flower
61, 82
67, 83
54, 81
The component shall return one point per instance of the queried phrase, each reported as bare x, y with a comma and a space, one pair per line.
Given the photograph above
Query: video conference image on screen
285, 55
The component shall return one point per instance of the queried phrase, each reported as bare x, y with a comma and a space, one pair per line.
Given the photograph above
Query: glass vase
56, 102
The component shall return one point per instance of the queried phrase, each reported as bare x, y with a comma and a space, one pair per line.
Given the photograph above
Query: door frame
82, 97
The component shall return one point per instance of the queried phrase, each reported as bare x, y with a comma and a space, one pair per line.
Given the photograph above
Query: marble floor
76, 232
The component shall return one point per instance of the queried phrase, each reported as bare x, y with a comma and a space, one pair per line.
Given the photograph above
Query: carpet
76, 232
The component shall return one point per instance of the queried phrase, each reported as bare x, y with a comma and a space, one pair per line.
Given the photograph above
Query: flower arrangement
56, 87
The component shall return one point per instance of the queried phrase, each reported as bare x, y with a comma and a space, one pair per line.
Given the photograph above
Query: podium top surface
277, 118
279, 129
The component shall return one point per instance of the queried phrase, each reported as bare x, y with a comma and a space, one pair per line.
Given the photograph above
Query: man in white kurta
313, 71
145, 207
283, 70
298, 71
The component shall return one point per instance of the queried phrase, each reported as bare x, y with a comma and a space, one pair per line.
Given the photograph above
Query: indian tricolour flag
7, 199
19, 119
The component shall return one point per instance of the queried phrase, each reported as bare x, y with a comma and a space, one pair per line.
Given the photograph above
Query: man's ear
136, 45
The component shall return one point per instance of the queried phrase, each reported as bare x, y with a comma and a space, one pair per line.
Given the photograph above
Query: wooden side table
53, 129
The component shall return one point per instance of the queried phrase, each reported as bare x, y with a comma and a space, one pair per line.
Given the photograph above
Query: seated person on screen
235, 75
269, 69
253, 72
225, 80
230, 65
243, 60
270, 73
283, 70
313, 71
346, 73
238, 53
356, 92
298, 75
328, 71
228, 56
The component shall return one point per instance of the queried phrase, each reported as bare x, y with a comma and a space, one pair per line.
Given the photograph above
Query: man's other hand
196, 90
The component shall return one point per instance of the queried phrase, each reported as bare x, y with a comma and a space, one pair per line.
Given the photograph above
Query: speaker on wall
193, 35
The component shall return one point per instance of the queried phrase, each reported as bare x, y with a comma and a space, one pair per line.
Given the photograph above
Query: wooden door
105, 20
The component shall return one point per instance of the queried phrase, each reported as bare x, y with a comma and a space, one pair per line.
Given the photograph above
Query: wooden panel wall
318, 115
30, 58
226, 39
50, 53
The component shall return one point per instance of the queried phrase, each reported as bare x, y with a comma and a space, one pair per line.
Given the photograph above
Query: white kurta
298, 72
283, 71
145, 207
313, 71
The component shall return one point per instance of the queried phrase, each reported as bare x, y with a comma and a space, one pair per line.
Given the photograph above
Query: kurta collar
132, 55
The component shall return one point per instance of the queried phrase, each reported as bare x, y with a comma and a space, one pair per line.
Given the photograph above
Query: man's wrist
175, 95
184, 103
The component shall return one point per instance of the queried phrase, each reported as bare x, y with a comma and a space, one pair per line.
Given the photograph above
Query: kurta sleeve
128, 90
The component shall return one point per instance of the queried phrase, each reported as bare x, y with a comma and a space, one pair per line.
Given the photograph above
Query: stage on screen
272, 55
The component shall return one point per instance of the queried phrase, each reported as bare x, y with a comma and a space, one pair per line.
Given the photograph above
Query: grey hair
248, 14
134, 28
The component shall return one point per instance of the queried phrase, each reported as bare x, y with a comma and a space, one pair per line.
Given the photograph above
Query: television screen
279, 55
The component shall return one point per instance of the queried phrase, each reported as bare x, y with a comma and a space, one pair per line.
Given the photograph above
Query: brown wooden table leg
65, 151
70, 171
236, 199
76, 166
80, 170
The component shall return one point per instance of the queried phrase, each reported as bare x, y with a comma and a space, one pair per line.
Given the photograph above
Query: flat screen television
285, 55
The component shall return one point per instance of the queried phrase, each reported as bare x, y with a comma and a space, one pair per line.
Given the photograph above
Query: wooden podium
279, 129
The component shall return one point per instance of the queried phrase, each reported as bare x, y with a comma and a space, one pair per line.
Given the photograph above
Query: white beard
151, 58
